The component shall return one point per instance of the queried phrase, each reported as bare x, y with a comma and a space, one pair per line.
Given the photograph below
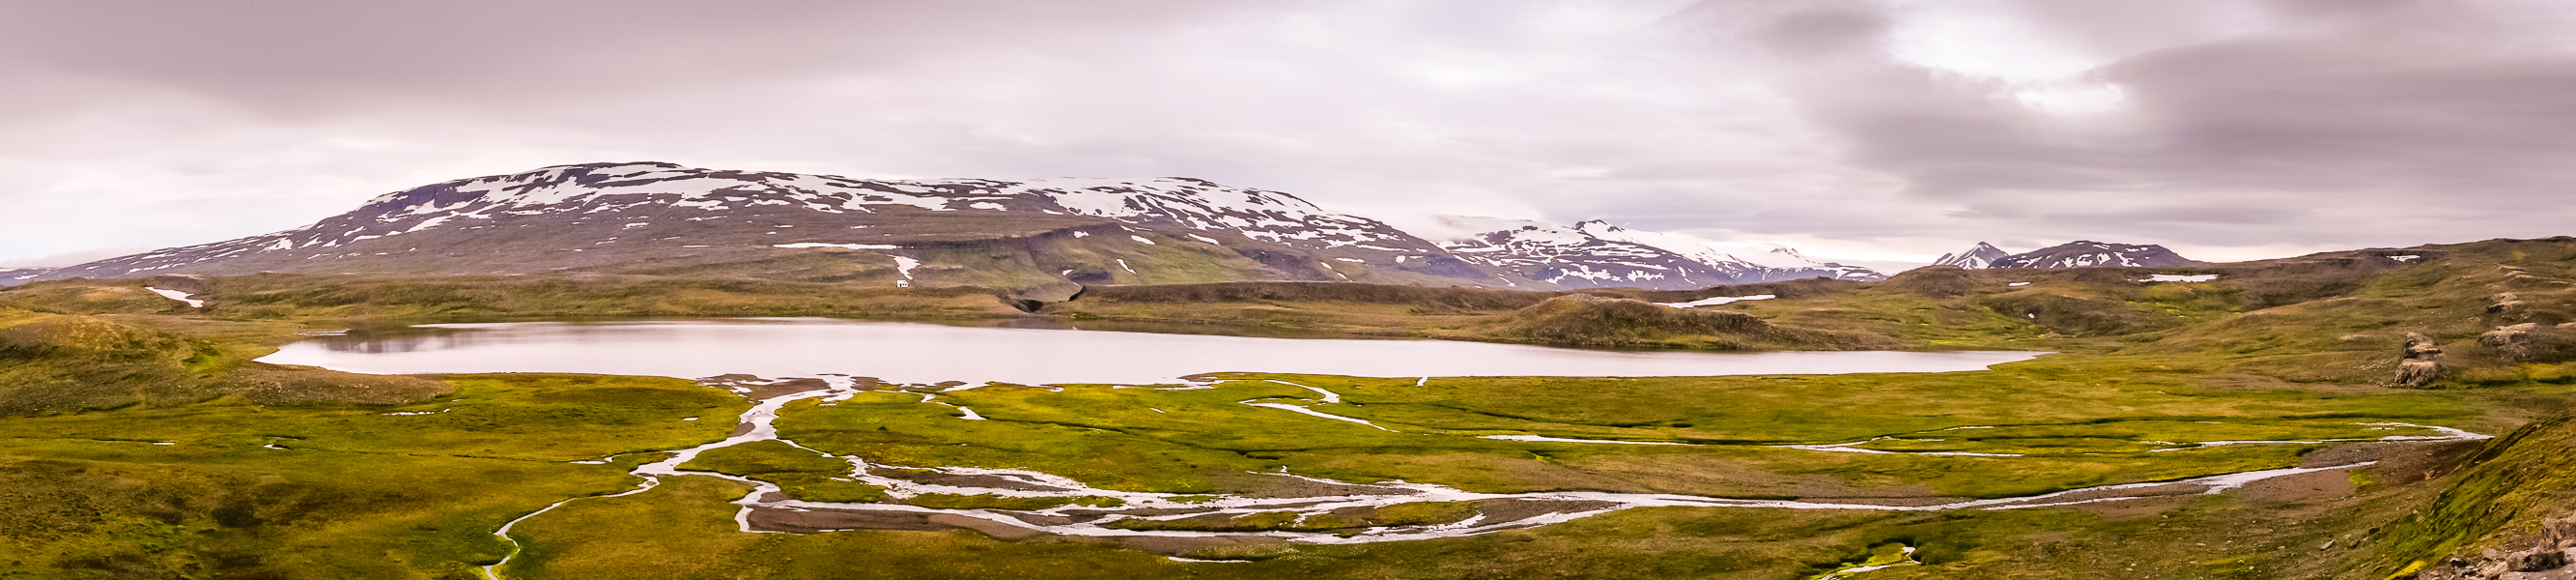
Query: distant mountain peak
1979, 257
2092, 254
1597, 253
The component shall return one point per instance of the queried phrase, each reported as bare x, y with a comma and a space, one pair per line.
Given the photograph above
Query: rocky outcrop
2512, 341
2531, 342
2546, 558
2418, 367
2504, 303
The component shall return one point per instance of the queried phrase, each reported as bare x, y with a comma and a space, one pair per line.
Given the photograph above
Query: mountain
1981, 257
665, 219
1787, 264
1053, 234
1778, 264
16, 276
1575, 257
2089, 254
1596, 254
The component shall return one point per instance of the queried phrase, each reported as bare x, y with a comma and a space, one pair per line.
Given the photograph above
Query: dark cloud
1890, 127
2386, 106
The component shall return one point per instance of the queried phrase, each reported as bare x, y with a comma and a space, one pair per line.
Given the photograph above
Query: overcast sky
1884, 131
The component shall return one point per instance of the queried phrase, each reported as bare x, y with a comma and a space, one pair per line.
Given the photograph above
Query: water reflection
1077, 353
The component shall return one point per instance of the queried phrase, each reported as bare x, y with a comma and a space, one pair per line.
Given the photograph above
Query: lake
917, 353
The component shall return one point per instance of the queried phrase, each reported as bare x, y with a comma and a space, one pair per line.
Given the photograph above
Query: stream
1079, 520
948, 358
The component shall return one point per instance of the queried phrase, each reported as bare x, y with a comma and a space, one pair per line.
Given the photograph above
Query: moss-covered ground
235, 490
138, 440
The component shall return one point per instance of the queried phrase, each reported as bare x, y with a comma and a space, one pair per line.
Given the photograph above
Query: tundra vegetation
139, 438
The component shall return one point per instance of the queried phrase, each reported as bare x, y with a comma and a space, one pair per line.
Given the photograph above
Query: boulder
2537, 560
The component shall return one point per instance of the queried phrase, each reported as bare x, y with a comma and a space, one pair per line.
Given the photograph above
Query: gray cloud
1882, 128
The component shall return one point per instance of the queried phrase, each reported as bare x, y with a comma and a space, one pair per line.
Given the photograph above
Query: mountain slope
1776, 265
16, 276
2091, 254
660, 218
1576, 258
1980, 257
1597, 254
1783, 264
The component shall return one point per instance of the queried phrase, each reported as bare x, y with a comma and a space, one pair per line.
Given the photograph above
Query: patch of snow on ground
1204, 239
2180, 278
177, 295
904, 266
2408, 258
2018, 284
1717, 300
1142, 240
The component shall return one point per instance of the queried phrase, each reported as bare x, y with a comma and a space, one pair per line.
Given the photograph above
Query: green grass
801, 474
353, 493
2080, 432
93, 374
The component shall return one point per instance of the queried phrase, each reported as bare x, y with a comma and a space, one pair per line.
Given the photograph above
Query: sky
1880, 132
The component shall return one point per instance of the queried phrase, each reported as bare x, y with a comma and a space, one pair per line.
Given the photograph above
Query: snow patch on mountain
16, 276
1598, 254
654, 197
2092, 254
1978, 257
1569, 257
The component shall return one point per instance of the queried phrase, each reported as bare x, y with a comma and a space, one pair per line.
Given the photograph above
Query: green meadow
142, 441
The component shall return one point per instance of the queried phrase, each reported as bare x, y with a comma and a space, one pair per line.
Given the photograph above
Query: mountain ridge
2092, 254
666, 219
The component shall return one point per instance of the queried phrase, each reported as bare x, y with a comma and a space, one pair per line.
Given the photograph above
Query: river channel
931, 360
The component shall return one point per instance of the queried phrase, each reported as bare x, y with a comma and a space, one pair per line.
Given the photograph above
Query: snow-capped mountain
1598, 254
1980, 257
16, 276
2091, 254
622, 216
1574, 257
1788, 264
1773, 265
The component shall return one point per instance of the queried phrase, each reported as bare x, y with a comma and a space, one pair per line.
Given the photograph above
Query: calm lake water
930, 353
